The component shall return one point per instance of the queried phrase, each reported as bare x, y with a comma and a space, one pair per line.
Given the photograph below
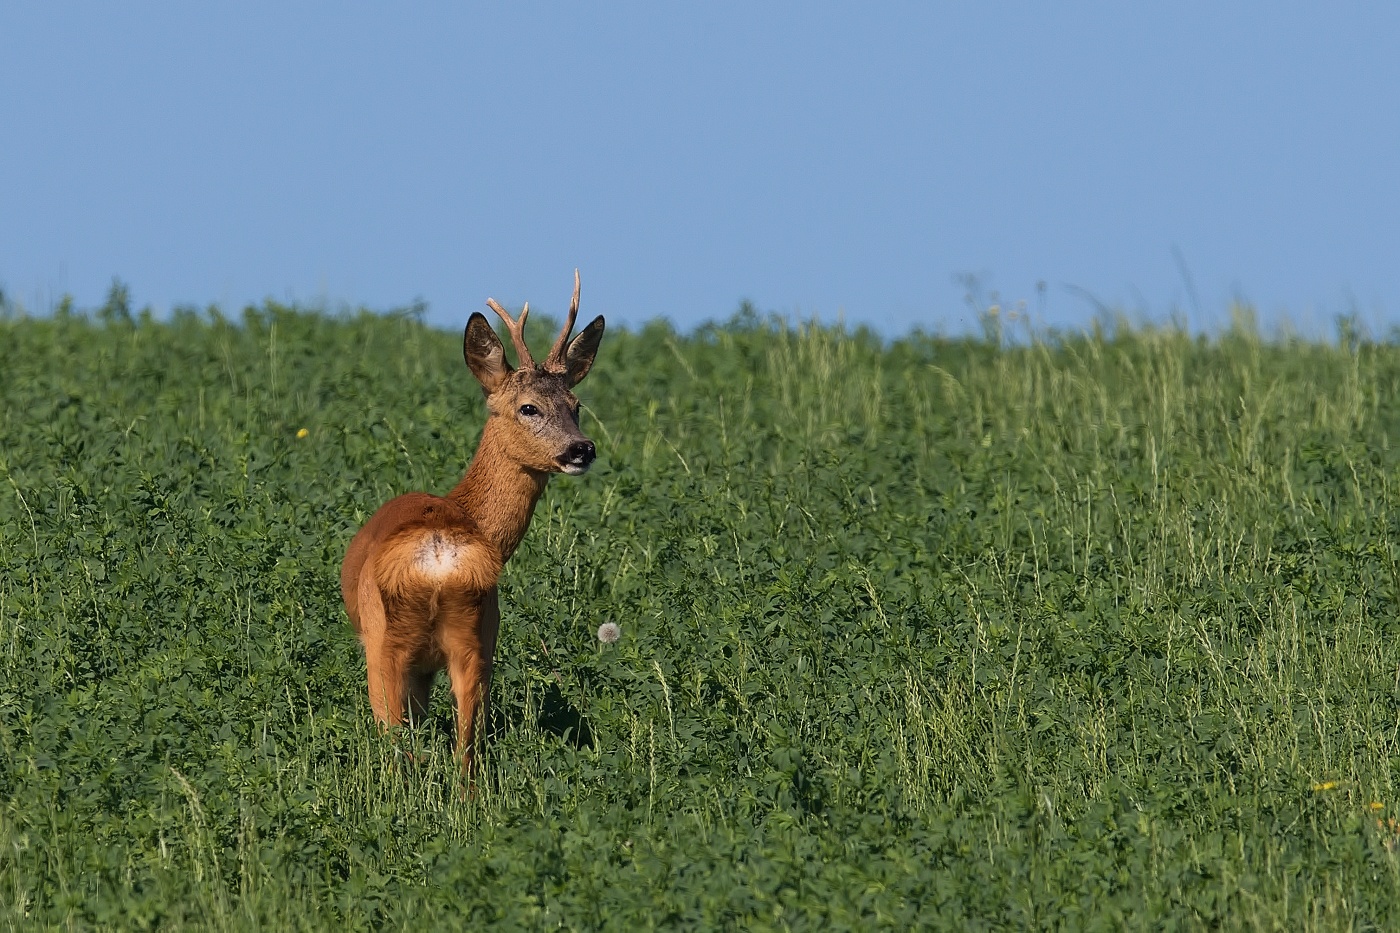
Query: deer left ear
485, 355
578, 359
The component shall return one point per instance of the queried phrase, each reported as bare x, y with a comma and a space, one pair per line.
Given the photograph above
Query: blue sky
814, 158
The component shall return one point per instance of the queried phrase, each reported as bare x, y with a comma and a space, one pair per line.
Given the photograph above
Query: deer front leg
420, 689
489, 627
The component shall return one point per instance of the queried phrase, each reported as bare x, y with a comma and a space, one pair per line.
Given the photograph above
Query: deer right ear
485, 355
578, 359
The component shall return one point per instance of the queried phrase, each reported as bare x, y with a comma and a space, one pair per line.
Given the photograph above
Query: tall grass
1081, 631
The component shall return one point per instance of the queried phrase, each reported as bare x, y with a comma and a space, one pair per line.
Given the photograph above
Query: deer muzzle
578, 458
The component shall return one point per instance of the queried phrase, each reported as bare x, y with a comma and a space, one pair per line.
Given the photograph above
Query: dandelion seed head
609, 632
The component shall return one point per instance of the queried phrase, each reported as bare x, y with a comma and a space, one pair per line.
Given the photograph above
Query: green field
1081, 632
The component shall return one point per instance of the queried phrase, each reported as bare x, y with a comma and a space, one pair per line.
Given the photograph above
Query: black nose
581, 453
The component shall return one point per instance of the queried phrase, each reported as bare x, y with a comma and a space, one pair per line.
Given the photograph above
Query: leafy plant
1083, 631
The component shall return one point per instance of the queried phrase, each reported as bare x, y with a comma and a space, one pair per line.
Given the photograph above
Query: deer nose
581, 453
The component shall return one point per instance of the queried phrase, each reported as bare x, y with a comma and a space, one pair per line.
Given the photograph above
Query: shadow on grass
560, 717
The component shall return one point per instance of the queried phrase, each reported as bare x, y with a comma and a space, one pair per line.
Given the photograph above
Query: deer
419, 579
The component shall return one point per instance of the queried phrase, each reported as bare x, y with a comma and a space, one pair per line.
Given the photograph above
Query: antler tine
517, 331
555, 361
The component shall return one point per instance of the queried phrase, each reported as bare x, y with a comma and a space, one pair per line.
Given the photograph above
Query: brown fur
419, 579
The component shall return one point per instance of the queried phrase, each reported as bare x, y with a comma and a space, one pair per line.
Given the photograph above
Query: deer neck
499, 493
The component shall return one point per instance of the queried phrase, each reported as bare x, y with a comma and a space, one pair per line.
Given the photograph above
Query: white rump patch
439, 556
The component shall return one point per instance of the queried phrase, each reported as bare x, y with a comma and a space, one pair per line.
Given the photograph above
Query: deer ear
578, 359
485, 356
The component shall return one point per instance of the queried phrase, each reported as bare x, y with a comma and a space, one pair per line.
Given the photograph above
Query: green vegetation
1087, 632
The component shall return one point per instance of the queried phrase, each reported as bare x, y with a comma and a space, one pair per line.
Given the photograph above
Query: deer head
530, 408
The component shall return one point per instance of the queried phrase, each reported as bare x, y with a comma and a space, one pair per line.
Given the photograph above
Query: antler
517, 331
555, 362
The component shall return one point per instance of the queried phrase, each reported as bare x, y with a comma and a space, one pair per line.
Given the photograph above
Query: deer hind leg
468, 670
386, 687
385, 676
469, 688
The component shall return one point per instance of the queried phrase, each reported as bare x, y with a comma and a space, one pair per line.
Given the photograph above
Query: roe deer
419, 579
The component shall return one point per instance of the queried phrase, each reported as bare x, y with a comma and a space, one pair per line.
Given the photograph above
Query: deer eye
529, 411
